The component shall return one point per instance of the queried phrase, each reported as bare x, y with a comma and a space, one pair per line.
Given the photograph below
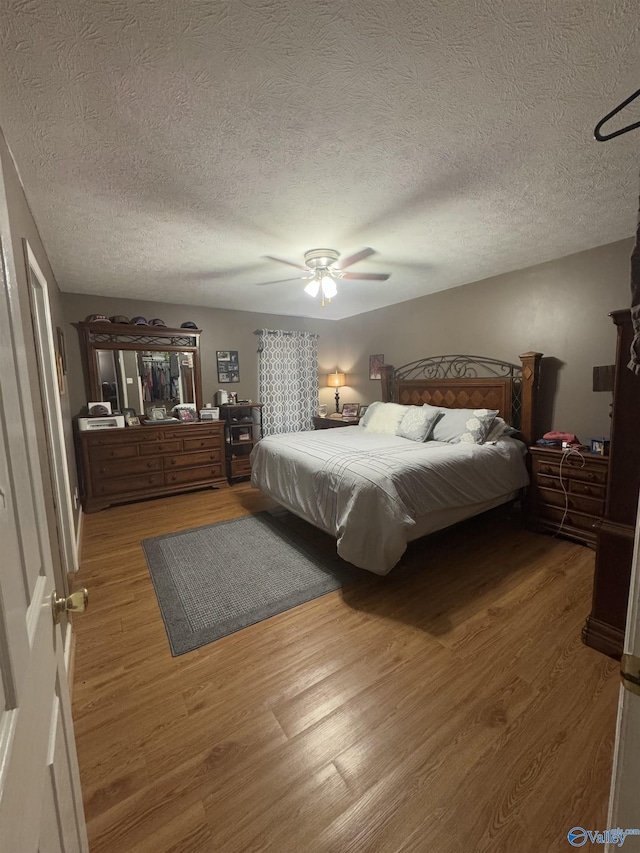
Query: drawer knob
174, 478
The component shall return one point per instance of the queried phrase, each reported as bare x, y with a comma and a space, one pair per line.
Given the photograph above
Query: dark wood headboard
470, 382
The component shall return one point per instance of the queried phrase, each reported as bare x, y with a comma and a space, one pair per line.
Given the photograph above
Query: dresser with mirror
145, 370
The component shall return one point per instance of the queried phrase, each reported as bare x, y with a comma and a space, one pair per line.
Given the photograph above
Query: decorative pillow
417, 423
469, 425
364, 420
498, 428
383, 418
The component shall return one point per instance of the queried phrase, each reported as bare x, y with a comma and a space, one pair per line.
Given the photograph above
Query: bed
375, 493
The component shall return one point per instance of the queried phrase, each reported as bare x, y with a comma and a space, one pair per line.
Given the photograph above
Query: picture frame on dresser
350, 410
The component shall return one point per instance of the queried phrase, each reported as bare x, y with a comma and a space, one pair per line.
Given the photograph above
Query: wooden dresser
605, 626
123, 465
585, 480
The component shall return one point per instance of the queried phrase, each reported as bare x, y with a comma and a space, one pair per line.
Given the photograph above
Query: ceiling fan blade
366, 276
281, 281
353, 259
290, 263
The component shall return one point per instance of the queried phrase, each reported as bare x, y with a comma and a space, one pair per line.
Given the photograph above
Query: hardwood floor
448, 707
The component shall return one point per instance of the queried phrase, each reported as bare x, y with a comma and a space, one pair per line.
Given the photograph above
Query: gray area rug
214, 580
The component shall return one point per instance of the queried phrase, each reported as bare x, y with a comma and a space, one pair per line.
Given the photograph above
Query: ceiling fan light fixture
312, 288
328, 287
324, 275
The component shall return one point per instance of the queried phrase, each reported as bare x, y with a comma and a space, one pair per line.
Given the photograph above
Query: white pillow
418, 422
467, 425
499, 427
383, 418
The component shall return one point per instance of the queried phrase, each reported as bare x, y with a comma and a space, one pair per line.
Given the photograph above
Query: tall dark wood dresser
605, 626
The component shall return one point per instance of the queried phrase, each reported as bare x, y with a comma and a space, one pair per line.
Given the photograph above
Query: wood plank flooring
448, 707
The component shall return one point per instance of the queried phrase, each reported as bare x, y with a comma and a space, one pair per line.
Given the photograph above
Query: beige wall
22, 226
221, 330
559, 308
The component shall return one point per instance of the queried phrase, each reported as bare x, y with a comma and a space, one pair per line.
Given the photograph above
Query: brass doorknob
75, 603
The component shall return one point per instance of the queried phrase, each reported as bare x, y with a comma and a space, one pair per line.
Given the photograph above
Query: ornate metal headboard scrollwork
470, 382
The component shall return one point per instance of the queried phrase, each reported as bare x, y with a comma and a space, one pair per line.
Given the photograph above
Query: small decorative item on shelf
186, 412
322, 411
600, 446
210, 413
350, 410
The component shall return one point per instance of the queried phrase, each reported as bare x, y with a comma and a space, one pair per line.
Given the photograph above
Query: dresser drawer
107, 437
241, 467
155, 447
191, 460
572, 519
579, 503
546, 482
209, 441
124, 468
126, 485
593, 490
173, 433
203, 474
588, 474
124, 451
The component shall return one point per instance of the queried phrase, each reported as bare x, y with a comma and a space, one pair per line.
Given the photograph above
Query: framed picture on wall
375, 363
228, 365
62, 351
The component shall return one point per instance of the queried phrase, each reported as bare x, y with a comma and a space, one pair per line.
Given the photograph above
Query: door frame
54, 424
625, 775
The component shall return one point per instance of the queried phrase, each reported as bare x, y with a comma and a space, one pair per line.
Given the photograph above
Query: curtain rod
283, 332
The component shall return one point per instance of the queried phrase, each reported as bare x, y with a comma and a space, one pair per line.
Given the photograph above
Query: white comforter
367, 489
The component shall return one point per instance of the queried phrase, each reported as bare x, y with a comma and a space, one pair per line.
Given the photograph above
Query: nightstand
585, 486
329, 423
243, 429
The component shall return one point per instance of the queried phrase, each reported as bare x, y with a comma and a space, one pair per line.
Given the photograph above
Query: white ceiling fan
323, 272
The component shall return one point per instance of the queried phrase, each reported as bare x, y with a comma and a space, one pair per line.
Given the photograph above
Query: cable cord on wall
569, 451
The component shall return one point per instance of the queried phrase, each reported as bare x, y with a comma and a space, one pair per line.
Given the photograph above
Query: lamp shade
335, 380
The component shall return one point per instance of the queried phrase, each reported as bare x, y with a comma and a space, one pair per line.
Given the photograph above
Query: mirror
142, 379
141, 367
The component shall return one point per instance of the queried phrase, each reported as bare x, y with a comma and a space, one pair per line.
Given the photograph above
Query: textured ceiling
166, 147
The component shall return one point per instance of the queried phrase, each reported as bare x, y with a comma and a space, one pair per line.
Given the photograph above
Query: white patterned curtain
288, 381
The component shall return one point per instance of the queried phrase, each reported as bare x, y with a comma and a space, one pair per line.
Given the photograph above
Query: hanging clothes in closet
156, 378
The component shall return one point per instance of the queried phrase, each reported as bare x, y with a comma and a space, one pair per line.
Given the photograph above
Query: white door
40, 803
624, 803
48, 373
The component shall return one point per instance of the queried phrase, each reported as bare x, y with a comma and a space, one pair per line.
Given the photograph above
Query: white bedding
369, 490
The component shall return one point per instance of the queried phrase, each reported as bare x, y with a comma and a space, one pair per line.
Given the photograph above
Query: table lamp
336, 380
